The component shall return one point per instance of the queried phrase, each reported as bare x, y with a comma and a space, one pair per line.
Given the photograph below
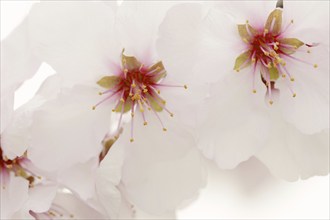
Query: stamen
254, 77
132, 122
103, 100
159, 119
122, 111
168, 85
286, 28
300, 60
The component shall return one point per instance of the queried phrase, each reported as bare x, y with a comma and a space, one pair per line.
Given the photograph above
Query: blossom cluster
146, 91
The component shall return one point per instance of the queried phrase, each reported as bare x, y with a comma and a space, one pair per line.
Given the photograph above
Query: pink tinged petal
13, 195
137, 25
80, 178
161, 169
41, 197
240, 11
77, 47
66, 130
309, 110
108, 179
73, 208
292, 155
234, 129
18, 64
308, 26
180, 39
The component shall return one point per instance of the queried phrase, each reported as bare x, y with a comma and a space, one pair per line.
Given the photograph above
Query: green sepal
108, 82
129, 62
127, 106
244, 34
156, 72
154, 103
277, 16
273, 73
241, 59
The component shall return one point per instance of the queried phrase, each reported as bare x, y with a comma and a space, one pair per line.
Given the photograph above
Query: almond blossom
267, 64
112, 83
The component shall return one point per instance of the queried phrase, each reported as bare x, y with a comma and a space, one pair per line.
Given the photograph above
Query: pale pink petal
13, 195
234, 128
292, 155
75, 38
161, 169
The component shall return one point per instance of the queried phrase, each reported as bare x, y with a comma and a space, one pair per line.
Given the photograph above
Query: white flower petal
66, 130
13, 195
309, 110
234, 129
161, 170
80, 178
292, 155
18, 64
137, 25
75, 38
41, 197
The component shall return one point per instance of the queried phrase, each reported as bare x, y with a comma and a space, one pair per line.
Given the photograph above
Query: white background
248, 192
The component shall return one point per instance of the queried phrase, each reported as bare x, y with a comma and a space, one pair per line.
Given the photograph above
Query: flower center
136, 86
268, 49
17, 166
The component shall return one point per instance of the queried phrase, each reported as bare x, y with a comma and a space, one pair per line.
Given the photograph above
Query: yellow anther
171, 114
185, 86
145, 123
143, 86
130, 94
133, 85
145, 90
113, 110
273, 54
141, 109
254, 91
122, 100
271, 102
247, 21
253, 60
149, 108
315, 65
266, 31
100, 93
164, 102
283, 75
158, 91
237, 70
164, 129
269, 65
266, 53
294, 95
275, 47
131, 140
292, 79
245, 40
94, 107
277, 43
132, 114
308, 51
291, 21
